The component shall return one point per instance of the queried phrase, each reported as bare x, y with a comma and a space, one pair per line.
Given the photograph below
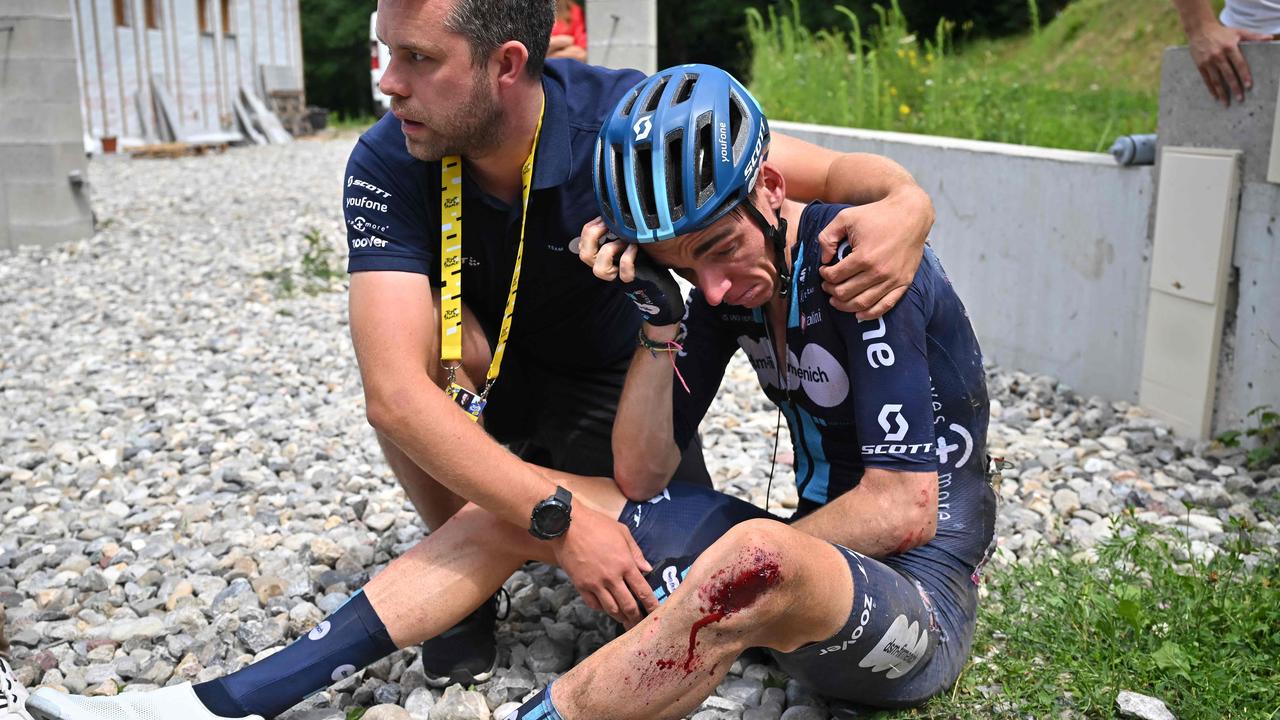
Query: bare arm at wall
1216, 50
887, 229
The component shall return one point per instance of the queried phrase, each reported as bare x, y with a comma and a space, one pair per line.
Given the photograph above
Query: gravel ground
187, 480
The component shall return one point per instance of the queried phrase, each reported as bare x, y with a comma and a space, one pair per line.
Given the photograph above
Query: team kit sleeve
888, 365
706, 351
387, 224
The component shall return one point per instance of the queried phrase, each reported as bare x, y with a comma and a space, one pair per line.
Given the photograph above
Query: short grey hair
487, 24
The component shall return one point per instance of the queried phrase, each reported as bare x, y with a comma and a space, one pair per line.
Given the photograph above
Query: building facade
163, 69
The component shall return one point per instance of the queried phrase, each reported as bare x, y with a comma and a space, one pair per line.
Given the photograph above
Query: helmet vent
704, 159
644, 186
619, 182
674, 157
651, 103
685, 91
605, 208
737, 111
631, 101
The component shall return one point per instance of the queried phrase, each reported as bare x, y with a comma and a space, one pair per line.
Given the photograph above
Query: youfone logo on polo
899, 650
643, 127
366, 204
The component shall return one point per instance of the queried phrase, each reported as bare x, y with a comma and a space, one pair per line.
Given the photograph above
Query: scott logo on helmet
643, 127
753, 165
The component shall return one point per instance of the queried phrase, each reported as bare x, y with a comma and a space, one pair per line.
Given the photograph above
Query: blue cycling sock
349, 639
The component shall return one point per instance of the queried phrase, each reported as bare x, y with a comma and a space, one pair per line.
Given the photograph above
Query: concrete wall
623, 34
202, 71
1049, 249
41, 145
1249, 366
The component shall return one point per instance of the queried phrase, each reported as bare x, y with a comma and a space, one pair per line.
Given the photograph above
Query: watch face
552, 519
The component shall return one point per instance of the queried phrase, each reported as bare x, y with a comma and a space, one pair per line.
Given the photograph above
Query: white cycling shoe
176, 702
13, 696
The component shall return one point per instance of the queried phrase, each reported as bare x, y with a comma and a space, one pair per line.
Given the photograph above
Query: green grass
340, 122
1060, 637
1089, 75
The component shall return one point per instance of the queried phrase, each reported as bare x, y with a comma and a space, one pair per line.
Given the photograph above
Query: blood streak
733, 594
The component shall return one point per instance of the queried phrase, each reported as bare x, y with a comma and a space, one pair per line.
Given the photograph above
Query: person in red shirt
569, 34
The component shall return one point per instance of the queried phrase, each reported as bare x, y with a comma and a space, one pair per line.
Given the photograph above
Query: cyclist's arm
657, 418
817, 173
894, 508
889, 512
887, 227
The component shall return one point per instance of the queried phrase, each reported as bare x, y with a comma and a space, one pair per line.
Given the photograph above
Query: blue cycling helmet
681, 150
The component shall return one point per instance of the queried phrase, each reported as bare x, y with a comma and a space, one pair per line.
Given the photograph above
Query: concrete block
5, 243
56, 160
623, 34
1249, 368
43, 81
42, 202
59, 9
40, 122
1189, 116
54, 232
37, 37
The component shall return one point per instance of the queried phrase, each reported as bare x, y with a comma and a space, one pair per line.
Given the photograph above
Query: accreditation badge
471, 403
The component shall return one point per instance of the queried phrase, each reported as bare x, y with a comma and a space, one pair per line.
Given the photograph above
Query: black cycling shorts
911, 617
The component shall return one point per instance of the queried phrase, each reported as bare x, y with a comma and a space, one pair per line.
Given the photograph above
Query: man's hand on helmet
652, 288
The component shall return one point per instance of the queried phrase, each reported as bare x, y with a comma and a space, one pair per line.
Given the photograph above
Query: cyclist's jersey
906, 392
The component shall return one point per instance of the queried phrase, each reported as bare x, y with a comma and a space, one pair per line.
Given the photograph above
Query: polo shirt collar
554, 162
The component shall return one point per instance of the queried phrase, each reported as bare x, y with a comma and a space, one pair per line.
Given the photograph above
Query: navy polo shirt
563, 313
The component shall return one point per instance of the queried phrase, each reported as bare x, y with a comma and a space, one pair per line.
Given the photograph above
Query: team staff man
467, 78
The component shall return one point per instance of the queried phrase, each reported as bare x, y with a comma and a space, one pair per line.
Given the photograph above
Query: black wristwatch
550, 518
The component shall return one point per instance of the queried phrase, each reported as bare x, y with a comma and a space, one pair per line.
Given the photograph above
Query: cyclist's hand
652, 288
874, 251
1216, 52
594, 234
606, 566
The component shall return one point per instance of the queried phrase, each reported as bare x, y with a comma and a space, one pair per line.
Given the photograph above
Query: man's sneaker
466, 653
13, 696
176, 702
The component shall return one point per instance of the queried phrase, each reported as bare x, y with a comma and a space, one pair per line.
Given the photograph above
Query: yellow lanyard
451, 273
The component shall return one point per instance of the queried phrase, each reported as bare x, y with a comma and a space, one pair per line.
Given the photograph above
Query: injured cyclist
868, 594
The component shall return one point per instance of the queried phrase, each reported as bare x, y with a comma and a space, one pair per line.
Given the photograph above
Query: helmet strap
777, 236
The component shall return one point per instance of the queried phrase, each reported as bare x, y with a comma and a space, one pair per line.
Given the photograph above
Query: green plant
885, 76
316, 269
356, 713
1060, 637
1265, 435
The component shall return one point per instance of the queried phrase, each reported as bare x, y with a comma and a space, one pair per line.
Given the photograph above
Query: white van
379, 57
